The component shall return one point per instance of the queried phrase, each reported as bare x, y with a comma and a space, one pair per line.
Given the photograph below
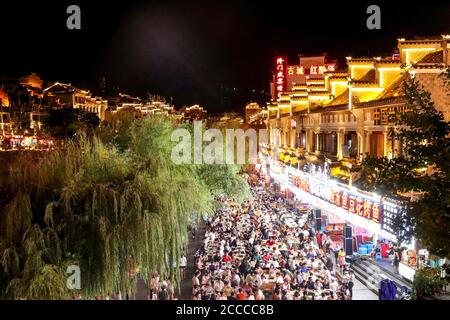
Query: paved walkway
361, 292
186, 284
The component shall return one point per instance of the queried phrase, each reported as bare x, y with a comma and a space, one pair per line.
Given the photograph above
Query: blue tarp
388, 290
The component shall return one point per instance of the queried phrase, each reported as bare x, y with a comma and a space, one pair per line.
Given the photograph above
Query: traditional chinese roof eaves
320, 109
364, 84
420, 42
321, 94
433, 58
338, 78
315, 80
314, 86
363, 61
369, 77
341, 99
388, 61
303, 112
304, 98
59, 87
394, 89
379, 102
430, 66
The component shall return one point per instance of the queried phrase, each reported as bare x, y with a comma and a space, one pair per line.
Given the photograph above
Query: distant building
157, 105
61, 95
4, 99
227, 120
20, 98
251, 109
192, 113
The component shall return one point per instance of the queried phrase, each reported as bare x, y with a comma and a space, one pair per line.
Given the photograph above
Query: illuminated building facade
344, 115
61, 95
192, 113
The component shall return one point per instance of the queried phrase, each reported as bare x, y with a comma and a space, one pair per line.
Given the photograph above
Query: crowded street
266, 249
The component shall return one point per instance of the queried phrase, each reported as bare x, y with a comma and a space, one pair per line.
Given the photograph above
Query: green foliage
423, 168
65, 123
108, 203
427, 282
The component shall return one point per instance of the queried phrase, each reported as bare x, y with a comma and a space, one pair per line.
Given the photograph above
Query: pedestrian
329, 263
341, 259
183, 265
350, 284
163, 294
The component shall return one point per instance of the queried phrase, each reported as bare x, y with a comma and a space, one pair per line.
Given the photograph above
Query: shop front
341, 206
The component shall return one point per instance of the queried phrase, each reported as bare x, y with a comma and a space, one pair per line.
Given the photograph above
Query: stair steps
371, 274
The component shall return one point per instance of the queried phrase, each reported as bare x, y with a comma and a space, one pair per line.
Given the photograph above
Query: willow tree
107, 204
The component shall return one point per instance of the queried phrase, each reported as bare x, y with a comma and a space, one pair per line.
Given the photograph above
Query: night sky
217, 54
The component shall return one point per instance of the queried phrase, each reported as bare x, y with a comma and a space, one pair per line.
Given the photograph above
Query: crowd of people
267, 249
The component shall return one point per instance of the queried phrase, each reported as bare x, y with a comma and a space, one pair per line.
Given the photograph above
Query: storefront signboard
351, 201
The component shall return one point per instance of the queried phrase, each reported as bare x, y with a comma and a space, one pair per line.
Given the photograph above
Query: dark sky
218, 54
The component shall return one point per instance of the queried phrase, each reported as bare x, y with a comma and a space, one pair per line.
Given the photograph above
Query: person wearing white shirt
183, 265
275, 264
315, 264
279, 280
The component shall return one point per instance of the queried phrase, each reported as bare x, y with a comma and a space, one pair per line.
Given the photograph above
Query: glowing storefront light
362, 209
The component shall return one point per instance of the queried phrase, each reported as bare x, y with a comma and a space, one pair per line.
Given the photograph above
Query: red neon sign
280, 76
313, 69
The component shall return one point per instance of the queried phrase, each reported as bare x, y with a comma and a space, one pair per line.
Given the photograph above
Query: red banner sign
356, 204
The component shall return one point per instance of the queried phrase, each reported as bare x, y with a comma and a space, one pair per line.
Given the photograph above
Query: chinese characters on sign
313, 69
355, 204
388, 221
358, 205
280, 76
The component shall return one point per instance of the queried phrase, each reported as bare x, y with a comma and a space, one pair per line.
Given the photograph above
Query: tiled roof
388, 61
340, 99
368, 77
319, 109
363, 59
435, 57
340, 78
379, 102
395, 89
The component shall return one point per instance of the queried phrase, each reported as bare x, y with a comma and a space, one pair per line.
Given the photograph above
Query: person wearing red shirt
241, 295
226, 258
